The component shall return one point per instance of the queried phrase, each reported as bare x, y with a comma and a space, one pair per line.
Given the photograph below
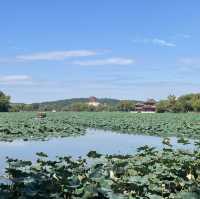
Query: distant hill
64, 104
59, 104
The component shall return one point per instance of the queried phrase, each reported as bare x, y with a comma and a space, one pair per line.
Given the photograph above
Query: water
106, 142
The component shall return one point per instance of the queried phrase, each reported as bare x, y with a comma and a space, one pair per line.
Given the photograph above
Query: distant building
139, 107
148, 106
93, 101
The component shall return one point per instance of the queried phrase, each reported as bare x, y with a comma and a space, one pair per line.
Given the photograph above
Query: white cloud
56, 55
108, 61
15, 79
182, 36
155, 41
190, 61
162, 42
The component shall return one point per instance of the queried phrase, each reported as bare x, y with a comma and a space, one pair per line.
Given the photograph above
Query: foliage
30, 126
149, 174
196, 103
185, 103
67, 104
76, 104
168, 124
126, 105
79, 106
162, 106
26, 125
4, 102
21, 107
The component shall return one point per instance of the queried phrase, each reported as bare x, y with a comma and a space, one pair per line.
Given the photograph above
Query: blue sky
126, 49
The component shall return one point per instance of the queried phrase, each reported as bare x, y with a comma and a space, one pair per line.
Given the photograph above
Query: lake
106, 142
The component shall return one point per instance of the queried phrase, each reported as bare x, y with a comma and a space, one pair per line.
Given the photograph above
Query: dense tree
162, 106
78, 106
21, 107
177, 107
185, 103
17, 107
171, 99
35, 106
126, 105
196, 105
4, 102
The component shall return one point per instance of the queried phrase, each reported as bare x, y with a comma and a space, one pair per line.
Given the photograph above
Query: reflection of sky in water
99, 140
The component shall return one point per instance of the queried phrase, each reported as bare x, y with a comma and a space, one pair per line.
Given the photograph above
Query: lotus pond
148, 174
123, 167
28, 127
105, 142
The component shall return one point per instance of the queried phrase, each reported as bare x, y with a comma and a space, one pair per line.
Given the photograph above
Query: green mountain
60, 104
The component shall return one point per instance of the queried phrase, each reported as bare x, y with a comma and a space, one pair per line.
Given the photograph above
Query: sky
125, 49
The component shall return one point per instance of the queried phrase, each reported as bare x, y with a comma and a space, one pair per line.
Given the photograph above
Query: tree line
124, 105
4, 102
184, 103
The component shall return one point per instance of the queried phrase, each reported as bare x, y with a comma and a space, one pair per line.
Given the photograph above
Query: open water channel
105, 142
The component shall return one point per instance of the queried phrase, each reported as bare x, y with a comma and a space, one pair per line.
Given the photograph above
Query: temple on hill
148, 106
93, 101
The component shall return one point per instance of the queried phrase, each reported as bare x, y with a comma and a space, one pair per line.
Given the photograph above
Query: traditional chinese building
139, 107
93, 101
148, 106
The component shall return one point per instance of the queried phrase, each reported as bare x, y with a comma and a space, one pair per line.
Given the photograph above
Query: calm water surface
106, 142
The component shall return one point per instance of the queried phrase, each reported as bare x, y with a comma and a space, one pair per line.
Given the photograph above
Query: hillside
59, 104
64, 104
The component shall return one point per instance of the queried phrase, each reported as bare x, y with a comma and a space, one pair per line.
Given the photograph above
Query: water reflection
106, 142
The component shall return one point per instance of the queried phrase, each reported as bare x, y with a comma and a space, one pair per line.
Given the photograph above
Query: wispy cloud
15, 79
189, 61
189, 64
162, 42
155, 41
56, 55
108, 61
182, 36
7, 60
